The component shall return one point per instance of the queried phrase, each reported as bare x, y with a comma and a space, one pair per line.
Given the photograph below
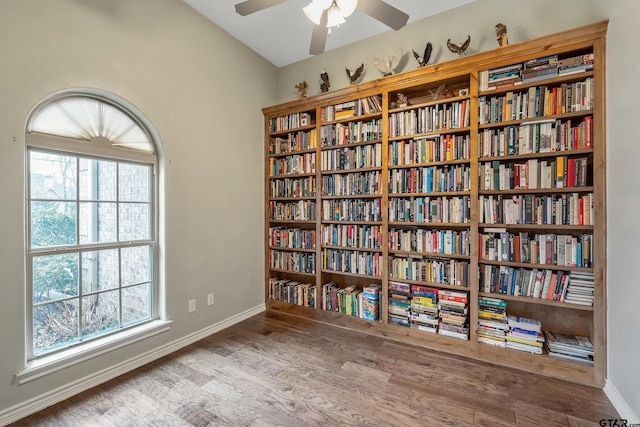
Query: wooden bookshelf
419, 171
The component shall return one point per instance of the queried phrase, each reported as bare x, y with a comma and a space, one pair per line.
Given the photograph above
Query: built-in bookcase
392, 206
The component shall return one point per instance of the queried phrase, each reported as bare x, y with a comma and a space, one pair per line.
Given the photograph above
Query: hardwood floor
275, 369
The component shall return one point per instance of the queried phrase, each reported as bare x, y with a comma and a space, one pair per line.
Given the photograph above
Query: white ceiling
282, 33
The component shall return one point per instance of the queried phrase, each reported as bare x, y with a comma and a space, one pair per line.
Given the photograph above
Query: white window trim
49, 364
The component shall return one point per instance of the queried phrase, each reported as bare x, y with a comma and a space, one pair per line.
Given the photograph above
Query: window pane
100, 270
52, 176
53, 224
100, 313
136, 265
98, 180
134, 182
55, 277
97, 222
136, 304
135, 221
55, 325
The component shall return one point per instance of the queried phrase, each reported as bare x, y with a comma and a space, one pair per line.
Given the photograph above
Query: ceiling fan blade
319, 36
251, 6
384, 12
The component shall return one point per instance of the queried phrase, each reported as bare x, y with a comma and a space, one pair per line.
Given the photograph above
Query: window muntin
91, 229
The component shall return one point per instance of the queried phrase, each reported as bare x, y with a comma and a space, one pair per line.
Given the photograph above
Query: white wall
623, 204
203, 91
525, 20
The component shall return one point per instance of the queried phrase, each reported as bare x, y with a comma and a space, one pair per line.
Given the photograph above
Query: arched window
91, 234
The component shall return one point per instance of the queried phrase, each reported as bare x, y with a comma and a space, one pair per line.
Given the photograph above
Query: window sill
49, 364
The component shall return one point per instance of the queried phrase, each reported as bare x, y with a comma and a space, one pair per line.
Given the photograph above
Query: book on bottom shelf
525, 334
569, 347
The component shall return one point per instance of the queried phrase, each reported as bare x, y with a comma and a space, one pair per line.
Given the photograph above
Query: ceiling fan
328, 13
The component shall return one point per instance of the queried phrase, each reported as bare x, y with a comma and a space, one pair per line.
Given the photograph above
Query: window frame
100, 149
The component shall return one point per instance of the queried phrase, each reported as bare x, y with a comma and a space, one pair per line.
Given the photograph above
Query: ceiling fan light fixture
334, 16
347, 6
314, 12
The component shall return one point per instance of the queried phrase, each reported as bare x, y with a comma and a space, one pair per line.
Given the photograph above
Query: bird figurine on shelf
388, 64
459, 49
354, 75
501, 34
325, 85
424, 60
302, 89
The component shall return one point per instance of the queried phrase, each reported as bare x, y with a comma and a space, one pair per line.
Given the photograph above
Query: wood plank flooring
279, 370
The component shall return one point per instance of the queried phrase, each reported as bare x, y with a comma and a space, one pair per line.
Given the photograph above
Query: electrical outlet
192, 305
210, 299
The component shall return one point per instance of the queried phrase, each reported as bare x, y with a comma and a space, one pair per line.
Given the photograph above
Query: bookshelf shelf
541, 301
475, 142
538, 266
587, 189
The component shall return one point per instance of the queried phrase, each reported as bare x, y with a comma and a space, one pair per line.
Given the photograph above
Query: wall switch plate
192, 305
210, 299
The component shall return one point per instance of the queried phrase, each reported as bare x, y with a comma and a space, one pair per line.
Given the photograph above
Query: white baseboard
52, 397
624, 410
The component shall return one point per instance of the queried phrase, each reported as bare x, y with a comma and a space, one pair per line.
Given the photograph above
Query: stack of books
575, 64
503, 76
424, 308
569, 347
492, 321
579, 290
540, 69
370, 305
453, 308
399, 303
525, 334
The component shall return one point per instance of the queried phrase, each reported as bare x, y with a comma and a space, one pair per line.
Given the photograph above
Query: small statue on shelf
388, 64
402, 100
424, 60
354, 75
459, 49
325, 85
501, 35
302, 89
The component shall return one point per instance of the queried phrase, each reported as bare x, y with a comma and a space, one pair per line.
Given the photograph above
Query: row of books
293, 292
553, 209
429, 269
352, 184
301, 210
293, 187
429, 309
537, 101
293, 164
354, 262
445, 242
300, 262
536, 137
538, 283
361, 156
352, 236
290, 121
352, 210
350, 133
441, 209
551, 249
345, 110
435, 118
430, 179
293, 238
438, 148
295, 141
352, 300
558, 172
